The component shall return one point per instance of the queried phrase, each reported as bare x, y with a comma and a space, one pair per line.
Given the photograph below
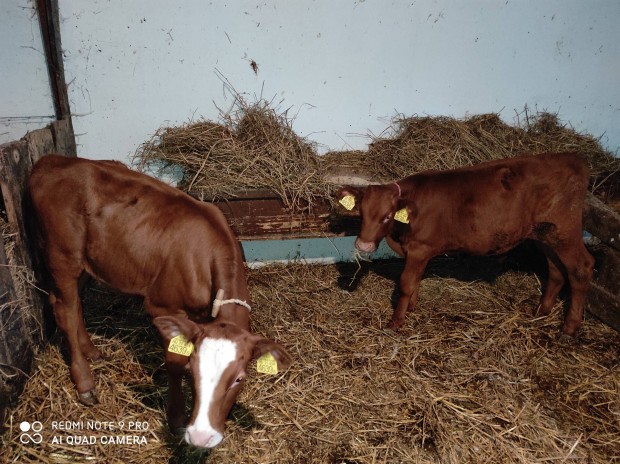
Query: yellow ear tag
180, 345
402, 216
267, 364
348, 201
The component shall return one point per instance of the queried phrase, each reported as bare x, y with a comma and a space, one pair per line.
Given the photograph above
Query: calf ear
171, 326
264, 345
345, 194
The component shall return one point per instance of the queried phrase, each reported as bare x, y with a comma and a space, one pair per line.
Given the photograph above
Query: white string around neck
219, 302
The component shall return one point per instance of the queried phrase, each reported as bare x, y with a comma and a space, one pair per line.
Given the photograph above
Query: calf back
136, 234
489, 208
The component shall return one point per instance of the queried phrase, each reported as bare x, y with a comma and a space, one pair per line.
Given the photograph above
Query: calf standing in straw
484, 209
143, 237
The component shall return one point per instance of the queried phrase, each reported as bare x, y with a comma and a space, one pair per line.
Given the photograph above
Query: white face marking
214, 356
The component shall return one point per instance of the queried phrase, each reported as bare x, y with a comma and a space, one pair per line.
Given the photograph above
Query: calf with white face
221, 353
143, 237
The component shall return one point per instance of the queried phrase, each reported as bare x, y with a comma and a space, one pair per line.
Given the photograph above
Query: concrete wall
344, 67
25, 96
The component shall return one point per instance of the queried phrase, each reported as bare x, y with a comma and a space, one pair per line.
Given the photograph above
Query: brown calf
484, 209
143, 237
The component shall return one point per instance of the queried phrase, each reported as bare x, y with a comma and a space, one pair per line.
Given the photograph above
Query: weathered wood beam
50, 34
602, 221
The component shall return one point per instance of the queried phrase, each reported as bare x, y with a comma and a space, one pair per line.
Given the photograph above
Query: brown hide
485, 209
137, 234
143, 237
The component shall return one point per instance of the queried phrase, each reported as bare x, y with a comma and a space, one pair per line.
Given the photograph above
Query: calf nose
203, 438
367, 247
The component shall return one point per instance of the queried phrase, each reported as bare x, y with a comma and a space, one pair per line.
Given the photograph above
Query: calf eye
238, 380
387, 218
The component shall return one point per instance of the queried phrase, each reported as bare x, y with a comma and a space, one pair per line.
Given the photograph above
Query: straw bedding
472, 377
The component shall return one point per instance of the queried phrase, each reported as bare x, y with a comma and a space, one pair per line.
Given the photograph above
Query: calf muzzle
203, 438
366, 247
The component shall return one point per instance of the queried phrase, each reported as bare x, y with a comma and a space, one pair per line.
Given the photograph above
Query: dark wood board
602, 222
260, 215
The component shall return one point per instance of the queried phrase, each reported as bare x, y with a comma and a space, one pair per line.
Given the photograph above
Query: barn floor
472, 377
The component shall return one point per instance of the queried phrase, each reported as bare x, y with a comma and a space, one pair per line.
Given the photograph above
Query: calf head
218, 364
377, 205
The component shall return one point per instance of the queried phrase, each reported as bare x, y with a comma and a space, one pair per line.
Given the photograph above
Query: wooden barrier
21, 304
604, 295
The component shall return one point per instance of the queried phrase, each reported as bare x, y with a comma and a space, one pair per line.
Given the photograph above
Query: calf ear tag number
180, 345
402, 216
267, 364
348, 201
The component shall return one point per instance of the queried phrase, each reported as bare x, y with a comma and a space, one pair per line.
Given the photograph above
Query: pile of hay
414, 144
472, 377
254, 147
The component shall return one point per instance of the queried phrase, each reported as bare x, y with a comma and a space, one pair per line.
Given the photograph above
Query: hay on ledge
254, 147
414, 144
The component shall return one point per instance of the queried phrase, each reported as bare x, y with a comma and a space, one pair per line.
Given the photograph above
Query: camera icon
35, 437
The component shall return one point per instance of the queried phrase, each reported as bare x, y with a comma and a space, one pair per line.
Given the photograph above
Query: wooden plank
49, 23
15, 352
16, 355
604, 305
607, 273
14, 170
266, 218
7, 295
40, 142
257, 215
603, 300
602, 221
64, 139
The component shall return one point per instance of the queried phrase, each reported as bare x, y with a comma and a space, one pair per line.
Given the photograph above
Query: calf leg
579, 265
555, 281
175, 409
175, 367
86, 345
415, 263
66, 305
89, 350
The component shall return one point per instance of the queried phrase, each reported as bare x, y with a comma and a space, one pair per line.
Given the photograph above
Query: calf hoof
89, 398
396, 324
94, 356
566, 339
542, 311
177, 423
